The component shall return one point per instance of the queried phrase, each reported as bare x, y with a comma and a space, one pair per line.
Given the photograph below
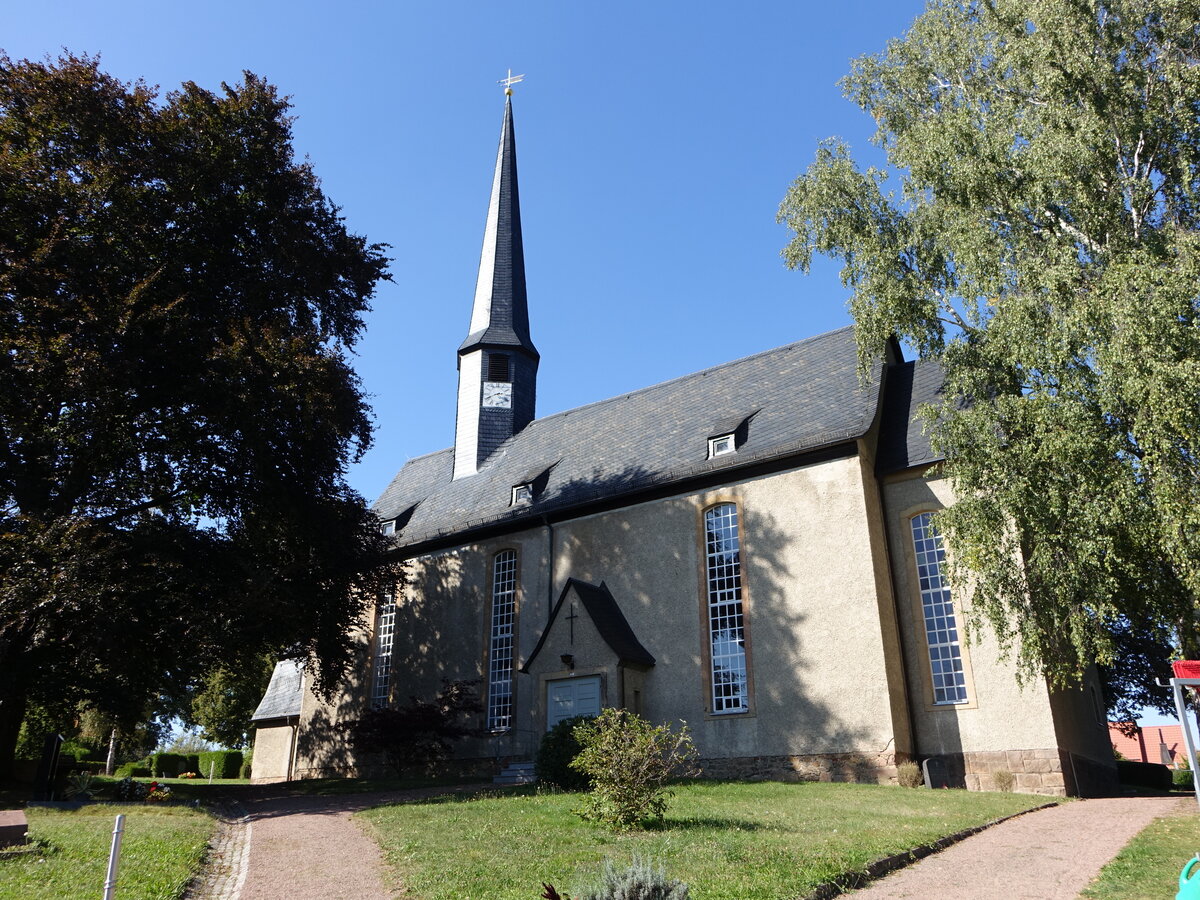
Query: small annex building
748, 549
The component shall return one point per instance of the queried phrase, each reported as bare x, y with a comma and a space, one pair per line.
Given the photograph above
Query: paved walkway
281, 846
284, 847
1047, 855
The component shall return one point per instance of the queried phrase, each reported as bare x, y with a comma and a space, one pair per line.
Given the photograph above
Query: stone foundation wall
1034, 771
866, 768
1048, 771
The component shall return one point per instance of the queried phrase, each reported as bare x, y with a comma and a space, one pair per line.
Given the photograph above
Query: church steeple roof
500, 315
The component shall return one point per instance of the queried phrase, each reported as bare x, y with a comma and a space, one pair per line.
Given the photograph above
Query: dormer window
388, 527
720, 445
521, 494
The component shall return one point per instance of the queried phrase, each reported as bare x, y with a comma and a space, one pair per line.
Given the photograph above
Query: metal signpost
1189, 741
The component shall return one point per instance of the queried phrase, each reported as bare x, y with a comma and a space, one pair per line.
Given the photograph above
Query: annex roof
796, 398
282, 699
601, 607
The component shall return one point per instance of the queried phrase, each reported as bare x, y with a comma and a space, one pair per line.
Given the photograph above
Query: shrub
558, 748
1004, 780
640, 881
128, 789
75, 751
223, 763
908, 774
1182, 778
629, 762
80, 785
419, 735
246, 771
133, 770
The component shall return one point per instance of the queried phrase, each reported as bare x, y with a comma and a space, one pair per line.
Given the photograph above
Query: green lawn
728, 841
1149, 865
161, 849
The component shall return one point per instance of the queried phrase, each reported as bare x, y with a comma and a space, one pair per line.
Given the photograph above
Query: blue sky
655, 141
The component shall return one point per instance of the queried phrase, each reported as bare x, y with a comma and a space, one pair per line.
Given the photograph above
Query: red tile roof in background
1145, 745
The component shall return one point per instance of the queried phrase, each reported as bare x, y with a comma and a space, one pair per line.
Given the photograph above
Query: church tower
497, 363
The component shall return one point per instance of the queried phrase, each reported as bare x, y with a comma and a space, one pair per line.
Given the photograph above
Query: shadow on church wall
807, 699
810, 696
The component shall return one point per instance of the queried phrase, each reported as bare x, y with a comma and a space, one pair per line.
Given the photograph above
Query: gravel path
289, 847
1047, 855
285, 847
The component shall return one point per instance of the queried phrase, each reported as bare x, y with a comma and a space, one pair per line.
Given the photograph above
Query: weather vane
510, 81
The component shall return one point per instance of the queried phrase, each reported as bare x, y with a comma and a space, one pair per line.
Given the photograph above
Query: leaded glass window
385, 626
941, 625
726, 621
500, 652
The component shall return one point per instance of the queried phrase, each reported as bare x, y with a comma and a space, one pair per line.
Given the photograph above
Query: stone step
516, 773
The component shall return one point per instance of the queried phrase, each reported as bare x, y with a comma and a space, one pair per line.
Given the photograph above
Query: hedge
224, 763
172, 765
132, 770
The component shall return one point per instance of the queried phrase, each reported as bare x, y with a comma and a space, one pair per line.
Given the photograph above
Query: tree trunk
111, 763
13, 701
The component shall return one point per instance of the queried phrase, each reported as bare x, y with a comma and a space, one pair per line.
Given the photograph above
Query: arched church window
941, 624
500, 651
726, 617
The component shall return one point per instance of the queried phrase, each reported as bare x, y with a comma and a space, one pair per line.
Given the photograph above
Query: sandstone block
13, 827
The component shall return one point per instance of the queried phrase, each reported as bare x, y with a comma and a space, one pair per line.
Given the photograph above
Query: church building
748, 549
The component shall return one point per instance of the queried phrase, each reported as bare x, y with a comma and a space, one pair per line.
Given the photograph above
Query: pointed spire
500, 315
497, 363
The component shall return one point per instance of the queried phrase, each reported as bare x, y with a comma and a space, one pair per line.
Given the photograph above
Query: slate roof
606, 615
903, 442
500, 313
282, 699
796, 398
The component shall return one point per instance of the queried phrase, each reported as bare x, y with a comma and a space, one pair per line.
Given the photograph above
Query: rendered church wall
1081, 724
321, 747
810, 593
443, 627
272, 751
1003, 726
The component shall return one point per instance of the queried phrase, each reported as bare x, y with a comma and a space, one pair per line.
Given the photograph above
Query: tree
178, 300
227, 698
1036, 233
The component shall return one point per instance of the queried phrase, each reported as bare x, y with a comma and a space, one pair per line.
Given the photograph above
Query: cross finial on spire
509, 82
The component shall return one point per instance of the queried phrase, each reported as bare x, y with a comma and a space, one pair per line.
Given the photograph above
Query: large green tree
226, 699
178, 300
1036, 230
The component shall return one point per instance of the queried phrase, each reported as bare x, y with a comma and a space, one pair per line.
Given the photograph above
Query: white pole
1177, 685
114, 856
212, 765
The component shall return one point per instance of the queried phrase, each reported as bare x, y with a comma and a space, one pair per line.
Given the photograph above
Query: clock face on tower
497, 394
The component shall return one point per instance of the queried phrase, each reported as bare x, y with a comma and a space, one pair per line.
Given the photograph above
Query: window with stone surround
941, 623
726, 616
500, 650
